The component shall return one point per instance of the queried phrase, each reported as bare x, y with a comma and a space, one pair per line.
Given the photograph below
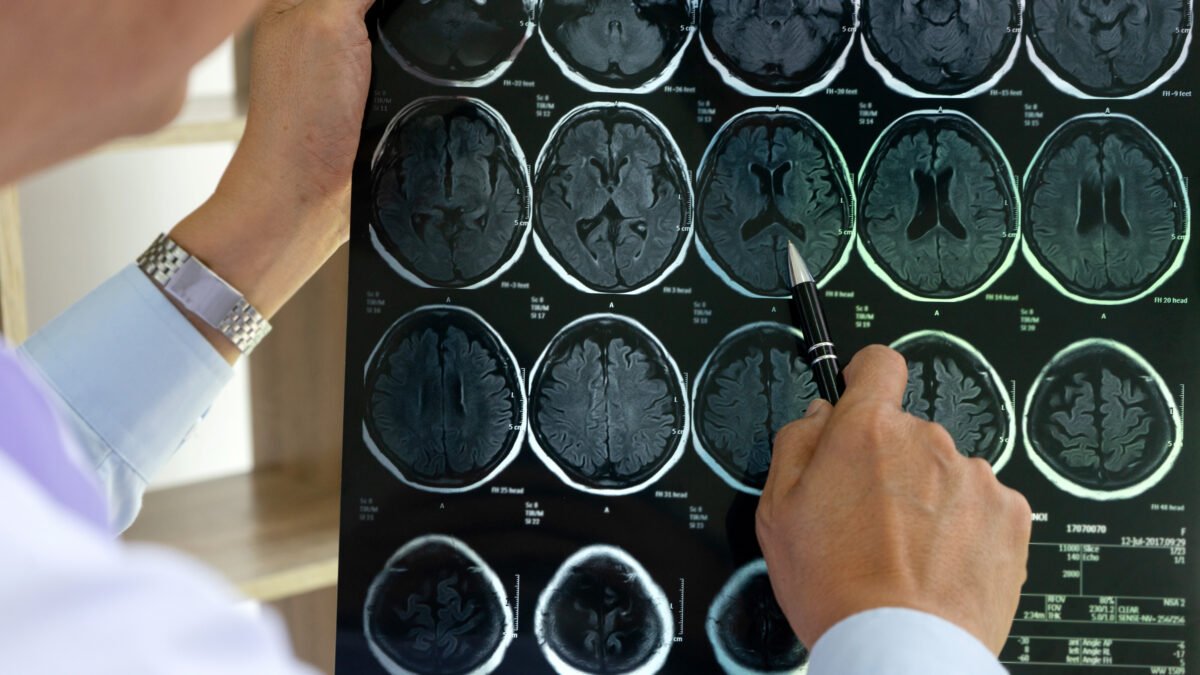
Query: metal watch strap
202, 292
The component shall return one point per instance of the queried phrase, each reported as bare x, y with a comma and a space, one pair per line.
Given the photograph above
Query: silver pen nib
796, 267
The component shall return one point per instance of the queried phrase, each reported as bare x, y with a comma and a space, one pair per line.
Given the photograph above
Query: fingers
794, 447
876, 373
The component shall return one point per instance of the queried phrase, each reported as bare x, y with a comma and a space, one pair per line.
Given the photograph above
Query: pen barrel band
821, 353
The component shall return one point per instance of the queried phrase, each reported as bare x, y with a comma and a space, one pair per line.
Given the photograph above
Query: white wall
85, 220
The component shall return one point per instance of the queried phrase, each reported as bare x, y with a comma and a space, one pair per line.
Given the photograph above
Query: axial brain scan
1100, 418
950, 383
602, 614
457, 42
748, 630
450, 193
607, 406
754, 383
1105, 209
613, 199
444, 400
778, 46
937, 207
769, 177
616, 44
436, 608
1109, 49
942, 47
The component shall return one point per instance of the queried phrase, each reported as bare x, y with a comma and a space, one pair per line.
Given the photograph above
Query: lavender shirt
32, 436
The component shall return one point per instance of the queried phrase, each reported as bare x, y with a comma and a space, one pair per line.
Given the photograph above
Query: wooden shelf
12, 275
271, 535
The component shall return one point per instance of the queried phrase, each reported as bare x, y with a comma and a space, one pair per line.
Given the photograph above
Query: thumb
794, 447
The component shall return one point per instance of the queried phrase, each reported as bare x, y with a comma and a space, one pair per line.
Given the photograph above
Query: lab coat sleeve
132, 377
900, 642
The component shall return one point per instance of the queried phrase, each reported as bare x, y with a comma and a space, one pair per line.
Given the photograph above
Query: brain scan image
939, 212
941, 48
753, 383
770, 176
614, 203
1109, 49
466, 43
445, 400
437, 608
949, 382
778, 46
450, 194
617, 45
1100, 422
747, 629
602, 614
607, 406
1106, 210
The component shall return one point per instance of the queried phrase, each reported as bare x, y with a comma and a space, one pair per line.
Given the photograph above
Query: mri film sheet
570, 345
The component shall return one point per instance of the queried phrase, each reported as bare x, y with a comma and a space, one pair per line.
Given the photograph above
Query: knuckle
763, 525
790, 434
982, 471
886, 357
877, 422
941, 440
1022, 513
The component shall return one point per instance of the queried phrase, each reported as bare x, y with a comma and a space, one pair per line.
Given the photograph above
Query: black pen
819, 349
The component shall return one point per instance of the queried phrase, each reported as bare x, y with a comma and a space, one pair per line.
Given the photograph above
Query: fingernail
817, 408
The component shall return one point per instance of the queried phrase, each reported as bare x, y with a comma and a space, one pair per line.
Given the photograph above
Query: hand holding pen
818, 345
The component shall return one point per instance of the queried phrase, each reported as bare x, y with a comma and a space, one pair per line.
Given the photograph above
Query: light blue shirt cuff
900, 642
133, 377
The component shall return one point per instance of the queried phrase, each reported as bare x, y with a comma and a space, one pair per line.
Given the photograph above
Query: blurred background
254, 493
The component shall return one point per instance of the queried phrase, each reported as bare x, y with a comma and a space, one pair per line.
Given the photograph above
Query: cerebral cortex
749, 628
1105, 208
942, 47
937, 206
1109, 48
1099, 418
613, 201
461, 41
618, 44
450, 192
950, 383
607, 404
443, 399
434, 610
603, 615
777, 46
755, 382
771, 177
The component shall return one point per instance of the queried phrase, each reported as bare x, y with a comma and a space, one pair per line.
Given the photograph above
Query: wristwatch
200, 291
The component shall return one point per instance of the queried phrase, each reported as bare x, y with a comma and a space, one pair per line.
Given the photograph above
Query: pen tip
797, 269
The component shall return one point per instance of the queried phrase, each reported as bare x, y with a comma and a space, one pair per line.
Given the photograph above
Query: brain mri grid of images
577, 214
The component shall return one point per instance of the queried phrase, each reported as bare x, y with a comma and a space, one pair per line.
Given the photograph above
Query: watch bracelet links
161, 260
243, 325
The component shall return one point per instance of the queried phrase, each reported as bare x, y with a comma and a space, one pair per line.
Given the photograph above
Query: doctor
889, 552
